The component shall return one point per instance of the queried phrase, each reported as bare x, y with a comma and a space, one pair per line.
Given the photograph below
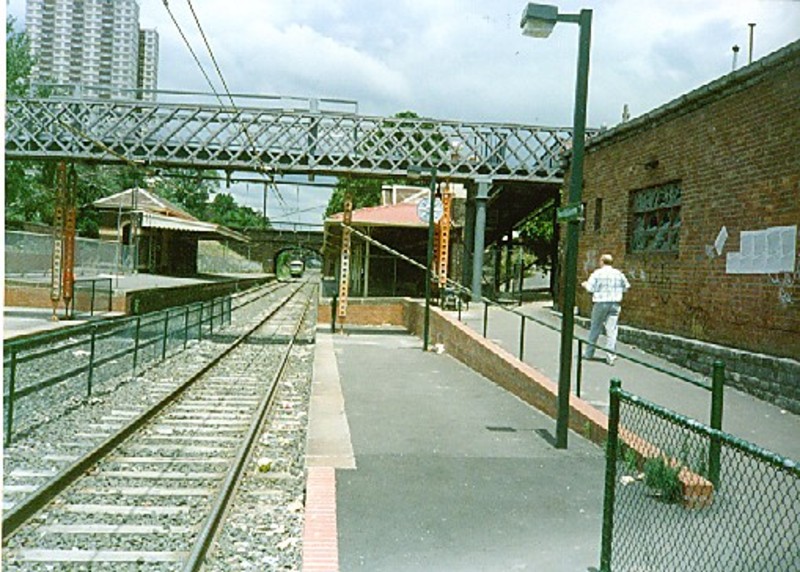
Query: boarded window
656, 218
598, 213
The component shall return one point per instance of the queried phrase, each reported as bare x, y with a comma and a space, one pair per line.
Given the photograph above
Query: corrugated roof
145, 201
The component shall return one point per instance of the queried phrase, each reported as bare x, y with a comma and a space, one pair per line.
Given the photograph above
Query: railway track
153, 494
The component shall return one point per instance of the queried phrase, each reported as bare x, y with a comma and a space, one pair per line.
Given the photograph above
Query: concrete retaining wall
136, 301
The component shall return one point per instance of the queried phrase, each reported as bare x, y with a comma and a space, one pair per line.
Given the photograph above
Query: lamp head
538, 20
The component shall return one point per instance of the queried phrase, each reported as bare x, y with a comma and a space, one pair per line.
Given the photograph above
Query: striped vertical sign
443, 233
344, 264
56, 266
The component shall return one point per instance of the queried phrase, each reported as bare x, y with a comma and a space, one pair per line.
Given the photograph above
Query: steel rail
232, 479
19, 515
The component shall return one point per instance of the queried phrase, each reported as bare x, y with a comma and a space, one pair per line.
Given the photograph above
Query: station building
162, 236
699, 203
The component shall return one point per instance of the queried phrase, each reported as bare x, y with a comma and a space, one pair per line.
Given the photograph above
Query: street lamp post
415, 172
538, 21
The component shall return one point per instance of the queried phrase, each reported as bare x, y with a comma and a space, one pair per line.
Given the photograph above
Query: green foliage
18, 60
225, 211
663, 478
537, 232
629, 458
187, 189
366, 192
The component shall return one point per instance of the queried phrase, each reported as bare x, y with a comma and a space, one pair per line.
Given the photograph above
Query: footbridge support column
480, 230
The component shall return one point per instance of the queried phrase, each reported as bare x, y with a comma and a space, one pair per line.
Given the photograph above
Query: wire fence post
485, 318
579, 366
522, 339
612, 448
90, 376
12, 382
136, 344
715, 446
211, 322
91, 305
334, 301
165, 336
185, 326
200, 322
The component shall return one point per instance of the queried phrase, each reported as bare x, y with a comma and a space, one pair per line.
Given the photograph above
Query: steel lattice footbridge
269, 135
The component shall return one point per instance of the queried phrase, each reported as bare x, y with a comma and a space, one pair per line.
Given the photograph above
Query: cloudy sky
461, 60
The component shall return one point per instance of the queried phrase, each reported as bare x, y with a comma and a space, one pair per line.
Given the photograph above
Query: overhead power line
211, 52
263, 168
191, 50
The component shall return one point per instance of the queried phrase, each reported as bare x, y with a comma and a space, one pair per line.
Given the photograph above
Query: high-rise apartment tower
93, 43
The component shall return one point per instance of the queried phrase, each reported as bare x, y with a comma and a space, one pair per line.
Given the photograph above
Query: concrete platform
451, 471
23, 320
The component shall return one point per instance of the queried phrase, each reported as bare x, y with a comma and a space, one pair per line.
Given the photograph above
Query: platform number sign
344, 262
57, 261
443, 237
70, 215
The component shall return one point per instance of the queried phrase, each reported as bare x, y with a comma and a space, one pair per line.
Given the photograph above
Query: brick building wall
733, 149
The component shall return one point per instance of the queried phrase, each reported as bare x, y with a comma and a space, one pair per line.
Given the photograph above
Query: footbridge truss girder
207, 136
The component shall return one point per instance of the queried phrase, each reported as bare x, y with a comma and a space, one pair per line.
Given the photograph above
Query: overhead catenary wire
191, 50
218, 69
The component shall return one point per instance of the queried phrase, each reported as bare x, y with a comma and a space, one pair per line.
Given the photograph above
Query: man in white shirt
607, 286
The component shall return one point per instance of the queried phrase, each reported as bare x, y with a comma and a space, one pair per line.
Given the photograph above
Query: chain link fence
667, 507
29, 255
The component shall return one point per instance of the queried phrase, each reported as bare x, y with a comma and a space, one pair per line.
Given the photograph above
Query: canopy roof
205, 230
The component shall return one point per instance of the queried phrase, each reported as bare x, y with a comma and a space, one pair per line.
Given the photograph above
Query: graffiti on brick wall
788, 284
661, 279
590, 261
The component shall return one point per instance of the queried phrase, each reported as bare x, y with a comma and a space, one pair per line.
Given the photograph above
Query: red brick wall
369, 312
736, 153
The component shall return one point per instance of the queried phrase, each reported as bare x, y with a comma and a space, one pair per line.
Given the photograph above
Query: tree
17, 179
365, 192
537, 231
18, 60
186, 188
225, 211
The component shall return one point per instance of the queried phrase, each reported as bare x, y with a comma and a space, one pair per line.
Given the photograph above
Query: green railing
666, 510
583, 341
90, 295
73, 363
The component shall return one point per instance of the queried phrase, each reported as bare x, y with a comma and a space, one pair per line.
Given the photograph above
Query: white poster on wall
769, 251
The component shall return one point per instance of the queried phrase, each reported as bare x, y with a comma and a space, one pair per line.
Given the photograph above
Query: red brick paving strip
320, 538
